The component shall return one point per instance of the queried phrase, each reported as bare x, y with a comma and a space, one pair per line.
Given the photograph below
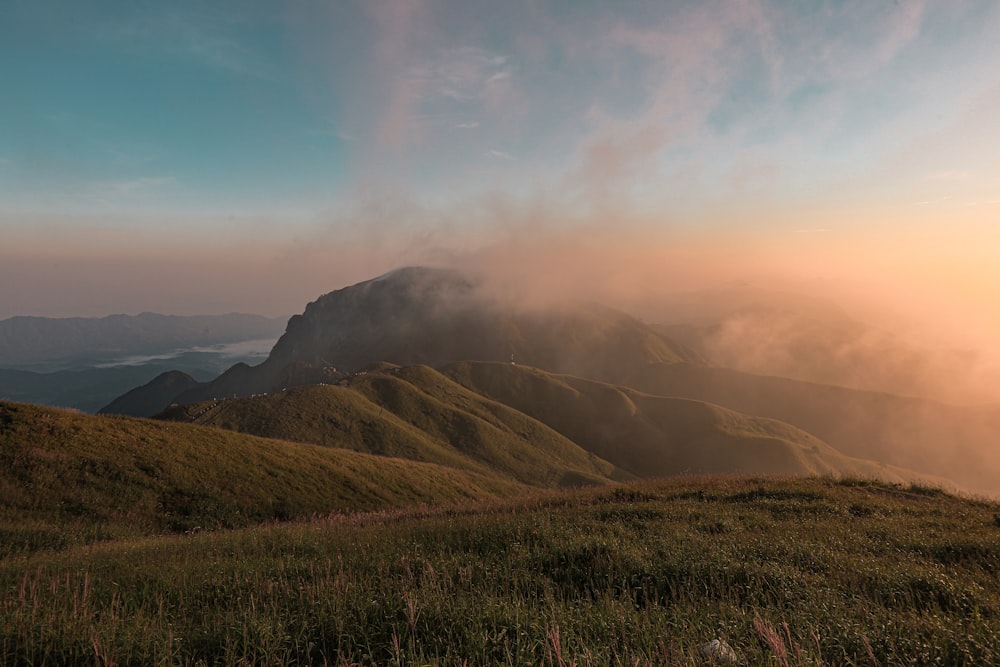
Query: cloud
420, 73
200, 33
470, 125
499, 155
902, 28
399, 28
456, 79
938, 200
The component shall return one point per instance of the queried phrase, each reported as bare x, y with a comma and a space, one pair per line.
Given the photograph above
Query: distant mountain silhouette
151, 397
434, 317
32, 340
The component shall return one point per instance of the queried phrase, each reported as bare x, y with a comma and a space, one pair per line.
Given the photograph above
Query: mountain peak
432, 316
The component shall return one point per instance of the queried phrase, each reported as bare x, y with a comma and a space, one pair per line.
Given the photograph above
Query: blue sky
294, 146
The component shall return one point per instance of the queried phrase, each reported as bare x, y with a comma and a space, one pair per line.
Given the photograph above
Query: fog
909, 310
906, 311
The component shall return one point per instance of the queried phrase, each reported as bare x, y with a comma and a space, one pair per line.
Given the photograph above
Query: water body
88, 383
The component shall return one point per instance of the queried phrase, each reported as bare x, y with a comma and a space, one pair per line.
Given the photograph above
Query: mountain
605, 382
531, 426
86, 389
423, 316
653, 436
152, 396
84, 363
414, 413
26, 341
435, 316
955, 442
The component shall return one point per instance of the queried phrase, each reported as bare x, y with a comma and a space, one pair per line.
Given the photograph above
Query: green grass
68, 478
788, 572
415, 413
654, 436
530, 426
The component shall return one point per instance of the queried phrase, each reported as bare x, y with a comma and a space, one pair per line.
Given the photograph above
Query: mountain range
83, 363
62, 343
431, 365
430, 317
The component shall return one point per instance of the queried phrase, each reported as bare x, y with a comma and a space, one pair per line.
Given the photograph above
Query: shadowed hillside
434, 316
658, 435
151, 396
954, 442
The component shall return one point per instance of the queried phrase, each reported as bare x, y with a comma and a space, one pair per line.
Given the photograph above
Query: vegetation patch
639, 575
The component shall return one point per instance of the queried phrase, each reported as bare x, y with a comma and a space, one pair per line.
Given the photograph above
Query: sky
206, 157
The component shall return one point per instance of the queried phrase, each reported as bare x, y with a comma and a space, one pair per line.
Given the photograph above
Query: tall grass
803, 572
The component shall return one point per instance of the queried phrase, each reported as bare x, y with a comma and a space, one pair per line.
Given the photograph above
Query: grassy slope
655, 435
896, 430
108, 476
414, 413
789, 572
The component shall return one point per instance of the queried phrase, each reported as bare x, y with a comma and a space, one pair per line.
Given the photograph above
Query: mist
848, 307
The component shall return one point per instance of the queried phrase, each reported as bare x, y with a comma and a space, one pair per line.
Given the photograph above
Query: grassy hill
67, 477
653, 436
530, 426
787, 572
414, 413
951, 441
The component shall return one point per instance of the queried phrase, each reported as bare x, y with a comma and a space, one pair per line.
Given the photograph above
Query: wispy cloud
938, 200
499, 155
399, 30
210, 37
469, 125
420, 75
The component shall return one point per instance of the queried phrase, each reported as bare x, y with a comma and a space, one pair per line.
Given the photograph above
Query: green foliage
788, 572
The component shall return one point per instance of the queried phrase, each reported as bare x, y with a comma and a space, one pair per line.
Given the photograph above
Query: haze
197, 157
